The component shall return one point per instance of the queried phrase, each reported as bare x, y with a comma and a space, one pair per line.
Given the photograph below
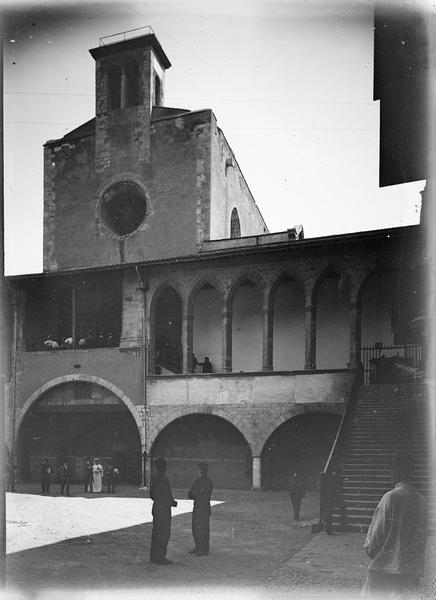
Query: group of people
206, 365
95, 476
102, 339
396, 538
163, 500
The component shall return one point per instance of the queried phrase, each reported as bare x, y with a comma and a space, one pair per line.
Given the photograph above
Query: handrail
337, 445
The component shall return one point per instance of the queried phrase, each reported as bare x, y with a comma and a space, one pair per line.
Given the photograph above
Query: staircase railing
334, 458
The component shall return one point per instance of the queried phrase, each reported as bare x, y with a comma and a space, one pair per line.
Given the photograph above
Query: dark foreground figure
297, 489
163, 500
397, 536
201, 492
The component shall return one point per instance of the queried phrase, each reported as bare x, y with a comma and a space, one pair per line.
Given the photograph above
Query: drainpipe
14, 371
142, 286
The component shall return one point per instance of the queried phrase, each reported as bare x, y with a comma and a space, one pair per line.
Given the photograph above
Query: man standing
397, 535
201, 492
163, 500
296, 491
65, 477
45, 476
88, 475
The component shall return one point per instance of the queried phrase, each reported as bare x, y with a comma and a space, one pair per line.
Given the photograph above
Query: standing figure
97, 476
207, 365
109, 478
297, 489
87, 467
331, 498
65, 477
45, 476
201, 492
396, 538
163, 500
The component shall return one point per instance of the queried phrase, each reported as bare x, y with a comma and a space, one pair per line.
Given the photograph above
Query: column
187, 342
267, 348
355, 333
256, 473
227, 341
310, 335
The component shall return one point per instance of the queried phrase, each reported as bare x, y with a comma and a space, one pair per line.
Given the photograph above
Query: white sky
289, 81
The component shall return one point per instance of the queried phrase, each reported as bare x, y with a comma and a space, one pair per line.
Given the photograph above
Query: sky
290, 82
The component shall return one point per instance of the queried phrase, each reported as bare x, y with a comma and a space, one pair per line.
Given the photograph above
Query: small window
132, 84
114, 87
157, 91
235, 226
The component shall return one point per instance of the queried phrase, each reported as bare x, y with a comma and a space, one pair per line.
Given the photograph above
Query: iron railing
125, 35
390, 364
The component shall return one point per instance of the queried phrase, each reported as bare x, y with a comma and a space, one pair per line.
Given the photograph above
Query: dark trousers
296, 504
201, 530
160, 535
65, 485
111, 487
88, 486
45, 485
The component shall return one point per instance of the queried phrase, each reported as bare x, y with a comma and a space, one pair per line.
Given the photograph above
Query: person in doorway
201, 492
46, 471
97, 476
297, 489
87, 467
163, 500
396, 537
65, 477
207, 365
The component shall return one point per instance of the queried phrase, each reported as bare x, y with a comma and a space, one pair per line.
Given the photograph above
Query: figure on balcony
81, 341
207, 365
50, 343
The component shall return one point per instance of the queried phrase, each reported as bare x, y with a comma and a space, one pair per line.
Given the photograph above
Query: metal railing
126, 35
390, 364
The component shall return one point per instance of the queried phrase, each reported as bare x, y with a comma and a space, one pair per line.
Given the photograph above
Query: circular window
123, 207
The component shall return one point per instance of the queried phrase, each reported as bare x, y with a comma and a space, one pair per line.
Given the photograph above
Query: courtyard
101, 544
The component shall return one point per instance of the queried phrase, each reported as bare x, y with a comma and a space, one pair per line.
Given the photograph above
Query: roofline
130, 44
395, 232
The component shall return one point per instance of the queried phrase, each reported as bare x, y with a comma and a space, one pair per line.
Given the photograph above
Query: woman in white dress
97, 475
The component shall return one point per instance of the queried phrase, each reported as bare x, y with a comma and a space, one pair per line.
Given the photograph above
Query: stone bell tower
129, 81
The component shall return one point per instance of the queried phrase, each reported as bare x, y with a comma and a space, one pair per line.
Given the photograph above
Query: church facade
168, 321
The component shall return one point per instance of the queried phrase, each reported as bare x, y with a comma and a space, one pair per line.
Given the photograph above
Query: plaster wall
332, 326
288, 331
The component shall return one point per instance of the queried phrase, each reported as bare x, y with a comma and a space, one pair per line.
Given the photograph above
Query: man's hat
203, 466
160, 462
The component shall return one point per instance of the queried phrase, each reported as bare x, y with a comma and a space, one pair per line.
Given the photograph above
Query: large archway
204, 437
301, 443
76, 419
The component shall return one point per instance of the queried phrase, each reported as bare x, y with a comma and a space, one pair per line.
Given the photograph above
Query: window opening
235, 226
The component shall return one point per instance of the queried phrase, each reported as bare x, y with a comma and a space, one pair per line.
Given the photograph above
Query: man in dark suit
65, 477
201, 492
297, 489
88, 475
45, 476
163, 500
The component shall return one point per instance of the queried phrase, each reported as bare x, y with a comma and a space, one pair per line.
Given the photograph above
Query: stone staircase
387, 419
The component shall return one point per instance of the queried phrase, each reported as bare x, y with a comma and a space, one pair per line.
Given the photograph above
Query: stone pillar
267, 345
310, 335
256, 473
355, 333
133, 307
227, 341
187, 342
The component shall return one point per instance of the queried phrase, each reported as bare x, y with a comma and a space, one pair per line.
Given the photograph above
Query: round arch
133, 409
204, 437
301, 442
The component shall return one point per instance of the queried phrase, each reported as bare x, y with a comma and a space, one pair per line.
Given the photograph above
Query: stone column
267, 344
227, 340
187, 342
256, 473
355, 332
310, 334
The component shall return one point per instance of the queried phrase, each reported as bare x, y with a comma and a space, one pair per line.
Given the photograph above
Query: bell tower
130, 77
